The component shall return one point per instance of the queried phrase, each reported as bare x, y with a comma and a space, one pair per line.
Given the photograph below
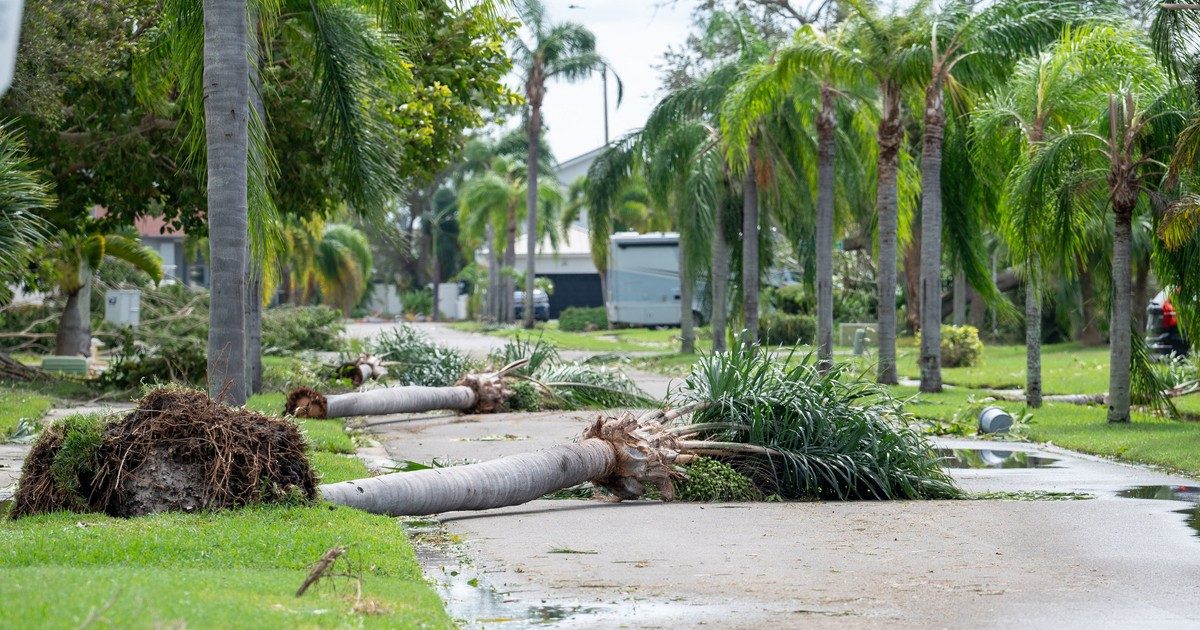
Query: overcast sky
632, 34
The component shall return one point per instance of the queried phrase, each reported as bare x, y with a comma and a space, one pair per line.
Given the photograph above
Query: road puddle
1183, 494
992, 458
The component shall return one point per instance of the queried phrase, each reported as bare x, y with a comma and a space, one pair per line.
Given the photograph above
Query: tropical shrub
577, 319
419, 361
793, 299
417, 302
779, 328
961, 346
288, 329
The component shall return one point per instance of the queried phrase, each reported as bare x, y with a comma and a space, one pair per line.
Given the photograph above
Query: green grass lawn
17, 403
1067, 368
621, 340
232, 569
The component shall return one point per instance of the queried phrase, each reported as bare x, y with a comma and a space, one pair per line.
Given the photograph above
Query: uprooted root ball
177, 451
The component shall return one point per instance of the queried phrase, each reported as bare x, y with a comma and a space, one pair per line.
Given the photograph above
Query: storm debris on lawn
178, 450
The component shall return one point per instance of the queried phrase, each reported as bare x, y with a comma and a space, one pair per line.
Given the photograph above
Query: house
154, 233
570, 268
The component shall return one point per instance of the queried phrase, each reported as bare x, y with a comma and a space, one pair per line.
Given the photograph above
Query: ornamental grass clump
802, 434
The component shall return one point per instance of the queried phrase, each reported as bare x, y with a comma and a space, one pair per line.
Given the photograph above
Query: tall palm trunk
958, 307
687, 331
1119, 329
508, 313
493, 287
720, 278
534, 91
750, 248
254, 268
406, 399
226, 101
74, 335
1033, 337
912, 282
887, 201
931, 239
826, 153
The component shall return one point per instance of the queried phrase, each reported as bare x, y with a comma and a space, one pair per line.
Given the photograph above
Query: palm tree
1114, 163
23, 195
962, 47
1048, 93
77, 258
495, 202
796, 432
563, 50
342, 262
816, 63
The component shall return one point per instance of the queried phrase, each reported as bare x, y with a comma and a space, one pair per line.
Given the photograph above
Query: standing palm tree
1048, 93
494, 203
963, 47
226, 116
77, 259
563, 50
1115, 164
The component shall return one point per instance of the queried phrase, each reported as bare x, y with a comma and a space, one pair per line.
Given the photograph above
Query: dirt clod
177, 451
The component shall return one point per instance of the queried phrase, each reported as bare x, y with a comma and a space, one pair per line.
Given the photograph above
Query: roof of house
146, 226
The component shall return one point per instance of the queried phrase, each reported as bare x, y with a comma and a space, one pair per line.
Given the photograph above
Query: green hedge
577, 319
288, 329
778, 328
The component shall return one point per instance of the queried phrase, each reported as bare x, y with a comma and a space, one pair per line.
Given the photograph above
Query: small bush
793, 299
419, 361
288, 329
712, 480
576, 319
961, 346
785, 329
417, 302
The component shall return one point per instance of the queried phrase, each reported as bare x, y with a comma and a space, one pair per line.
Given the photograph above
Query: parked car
1162, 327
541, 305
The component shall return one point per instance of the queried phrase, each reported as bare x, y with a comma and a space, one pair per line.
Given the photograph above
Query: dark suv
1162, 327
541, 305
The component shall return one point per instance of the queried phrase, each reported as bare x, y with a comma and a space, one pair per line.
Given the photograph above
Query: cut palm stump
474, 393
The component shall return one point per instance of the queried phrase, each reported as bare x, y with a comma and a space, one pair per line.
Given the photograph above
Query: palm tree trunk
959, 307
511, 480
508, 313
977, 313
531, 231
912, 282
887, 201
720, 278
406, 399
74, 335
750, 248
826, 150
226, 102
1119, 329
687, 331
493, 286
1033, 338
931, 239
435, 271
254, 313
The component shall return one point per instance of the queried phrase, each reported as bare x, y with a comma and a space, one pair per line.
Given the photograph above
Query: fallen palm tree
794, 432
474, 393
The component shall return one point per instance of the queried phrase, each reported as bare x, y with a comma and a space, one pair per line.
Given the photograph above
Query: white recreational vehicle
643, 280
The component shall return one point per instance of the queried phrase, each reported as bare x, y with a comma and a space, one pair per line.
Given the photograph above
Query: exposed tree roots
177, 451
